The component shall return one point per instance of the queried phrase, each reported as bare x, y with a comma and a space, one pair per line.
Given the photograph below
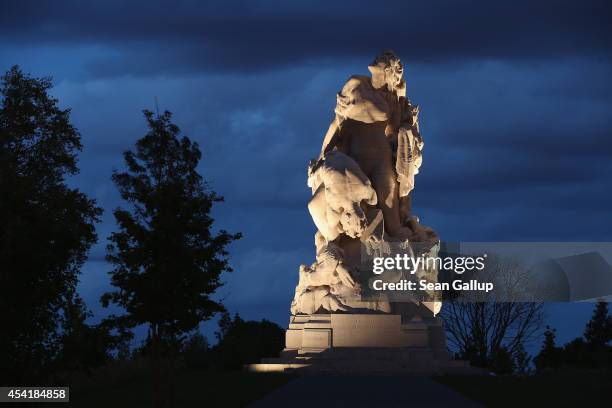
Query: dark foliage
167, 260
195, 352
550, 355
598, 331
242, 342
502, 362
86, 346
46, 230
590, 352
522, 361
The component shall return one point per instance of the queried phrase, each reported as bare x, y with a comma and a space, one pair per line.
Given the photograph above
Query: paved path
325, 391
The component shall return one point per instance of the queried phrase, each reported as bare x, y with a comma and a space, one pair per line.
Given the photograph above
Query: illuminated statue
361, 186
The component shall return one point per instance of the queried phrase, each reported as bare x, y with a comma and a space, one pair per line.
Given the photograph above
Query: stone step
376, 360
364, 368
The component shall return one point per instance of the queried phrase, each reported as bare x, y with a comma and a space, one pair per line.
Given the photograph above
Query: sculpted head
387, 69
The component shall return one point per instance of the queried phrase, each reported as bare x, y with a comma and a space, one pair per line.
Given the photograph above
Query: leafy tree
242, 342
47, 227
598, 330
167, 260
86, 346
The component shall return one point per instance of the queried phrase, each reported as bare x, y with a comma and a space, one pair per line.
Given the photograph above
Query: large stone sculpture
361, 186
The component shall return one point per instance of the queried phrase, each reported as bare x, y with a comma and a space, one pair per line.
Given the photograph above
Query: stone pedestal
366, 343
356, 330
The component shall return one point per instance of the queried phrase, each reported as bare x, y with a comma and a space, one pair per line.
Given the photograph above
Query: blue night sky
515, 100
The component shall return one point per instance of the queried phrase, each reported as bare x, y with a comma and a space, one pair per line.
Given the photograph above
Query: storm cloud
515, 100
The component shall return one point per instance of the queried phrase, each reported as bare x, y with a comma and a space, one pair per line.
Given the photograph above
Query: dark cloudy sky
515, 96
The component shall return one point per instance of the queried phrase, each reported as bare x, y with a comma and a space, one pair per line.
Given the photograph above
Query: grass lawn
576, 389
194, 388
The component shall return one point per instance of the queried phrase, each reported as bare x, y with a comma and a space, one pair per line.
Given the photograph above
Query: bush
196, 353
502, 362
242, 342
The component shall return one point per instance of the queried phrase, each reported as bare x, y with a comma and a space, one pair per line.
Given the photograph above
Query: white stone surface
361, 186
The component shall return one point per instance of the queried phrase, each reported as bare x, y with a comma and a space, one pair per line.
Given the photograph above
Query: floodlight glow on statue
361, 186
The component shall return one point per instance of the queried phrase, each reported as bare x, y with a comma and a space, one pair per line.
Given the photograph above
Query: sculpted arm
345, 107
332, 135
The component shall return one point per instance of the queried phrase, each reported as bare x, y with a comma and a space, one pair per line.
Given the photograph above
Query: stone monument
361, 184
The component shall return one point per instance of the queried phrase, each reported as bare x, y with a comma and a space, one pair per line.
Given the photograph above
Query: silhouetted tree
550, 356
167, 261
576, 354
594, 353
522, 361
502, 362
242, 342
196, 353
46, 227
479, 326
86, 346
598, 331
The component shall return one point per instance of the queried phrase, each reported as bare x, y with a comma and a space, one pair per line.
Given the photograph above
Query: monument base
364, 343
